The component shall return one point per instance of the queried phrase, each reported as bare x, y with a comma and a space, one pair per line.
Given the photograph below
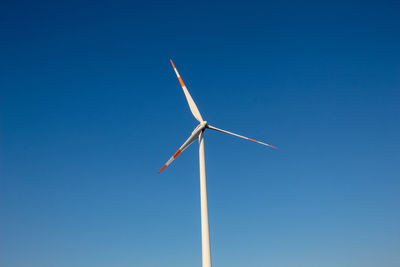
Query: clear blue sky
90, 110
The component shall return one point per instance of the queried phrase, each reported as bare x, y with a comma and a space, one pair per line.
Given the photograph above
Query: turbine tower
198, 133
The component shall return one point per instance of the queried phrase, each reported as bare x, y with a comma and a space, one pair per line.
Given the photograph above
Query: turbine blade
223, 131
192, 105
185, 145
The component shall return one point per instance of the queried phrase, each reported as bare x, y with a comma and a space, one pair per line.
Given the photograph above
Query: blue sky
90, 110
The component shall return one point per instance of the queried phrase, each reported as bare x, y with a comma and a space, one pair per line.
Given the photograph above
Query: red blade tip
172, 63
162, 168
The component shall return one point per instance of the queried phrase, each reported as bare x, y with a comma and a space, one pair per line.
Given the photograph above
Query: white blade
220, 130
185, 145
192, 105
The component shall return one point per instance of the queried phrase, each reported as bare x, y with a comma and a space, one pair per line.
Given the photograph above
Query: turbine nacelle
202, 125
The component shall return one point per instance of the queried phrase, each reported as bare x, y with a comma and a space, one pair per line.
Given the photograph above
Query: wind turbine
198, 132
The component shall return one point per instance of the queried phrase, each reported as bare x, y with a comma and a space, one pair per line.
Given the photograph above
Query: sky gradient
90, 110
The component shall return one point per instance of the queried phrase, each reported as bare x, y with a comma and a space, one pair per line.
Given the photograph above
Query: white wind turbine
198, 132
